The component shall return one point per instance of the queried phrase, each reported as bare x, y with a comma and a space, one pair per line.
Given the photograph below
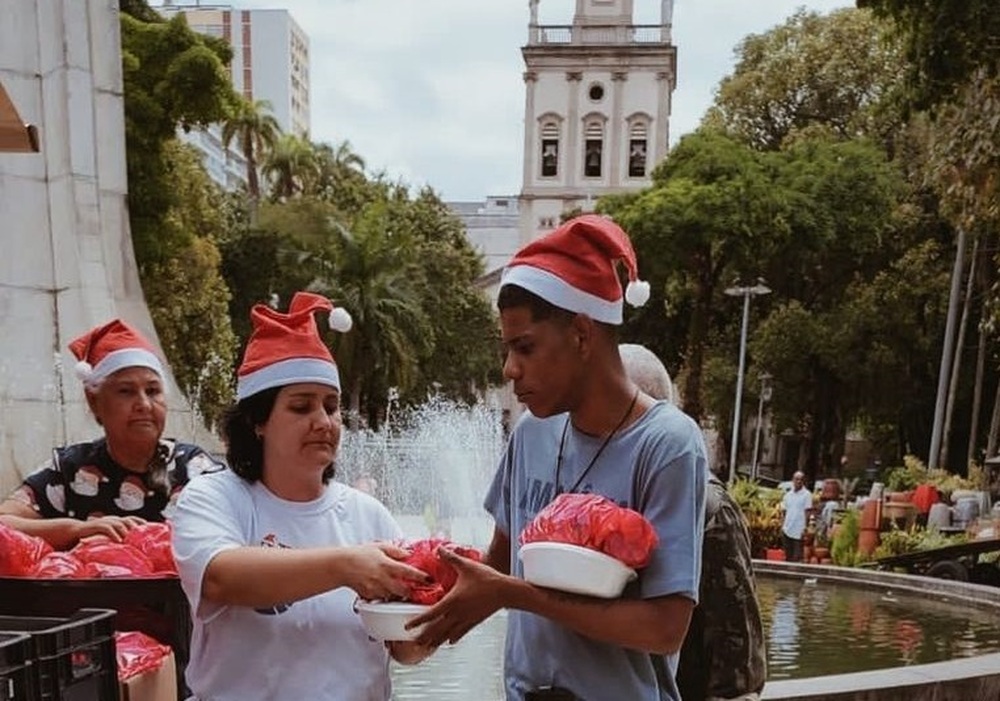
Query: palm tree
256, 130
372, 277
290, 166
340, 176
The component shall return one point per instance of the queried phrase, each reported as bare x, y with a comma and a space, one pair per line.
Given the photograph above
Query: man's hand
477, 595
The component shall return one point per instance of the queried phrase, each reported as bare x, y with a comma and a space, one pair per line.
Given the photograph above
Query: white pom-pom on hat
340, 320
637, 293
83, 370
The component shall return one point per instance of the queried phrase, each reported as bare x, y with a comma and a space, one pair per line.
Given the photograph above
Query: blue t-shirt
657, 466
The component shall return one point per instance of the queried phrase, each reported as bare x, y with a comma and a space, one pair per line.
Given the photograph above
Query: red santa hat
574, 267
114, 346
286, 349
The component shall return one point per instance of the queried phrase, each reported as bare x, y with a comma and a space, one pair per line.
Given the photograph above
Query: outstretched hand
477, 594
377, 573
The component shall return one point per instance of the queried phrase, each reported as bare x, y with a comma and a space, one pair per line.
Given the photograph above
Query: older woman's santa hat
286, 349
114, 346
574, 267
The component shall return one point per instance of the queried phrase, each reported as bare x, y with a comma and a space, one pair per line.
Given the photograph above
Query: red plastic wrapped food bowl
386, 620
575, 569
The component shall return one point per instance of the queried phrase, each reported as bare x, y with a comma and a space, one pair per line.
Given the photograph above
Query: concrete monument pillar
67, 261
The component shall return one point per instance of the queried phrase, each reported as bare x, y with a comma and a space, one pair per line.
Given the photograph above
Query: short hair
515, 296
244, 448
647, 371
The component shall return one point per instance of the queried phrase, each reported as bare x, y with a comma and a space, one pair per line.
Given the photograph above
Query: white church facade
596, 121
596, 110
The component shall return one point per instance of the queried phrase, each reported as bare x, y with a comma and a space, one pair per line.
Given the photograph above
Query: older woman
273, 554
129, 475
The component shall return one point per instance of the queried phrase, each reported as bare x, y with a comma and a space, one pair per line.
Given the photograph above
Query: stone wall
67, 262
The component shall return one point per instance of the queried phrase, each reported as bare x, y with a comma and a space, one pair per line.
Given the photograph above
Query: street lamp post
746, 292
765, 396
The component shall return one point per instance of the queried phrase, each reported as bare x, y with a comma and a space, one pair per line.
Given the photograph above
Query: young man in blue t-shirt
588, 428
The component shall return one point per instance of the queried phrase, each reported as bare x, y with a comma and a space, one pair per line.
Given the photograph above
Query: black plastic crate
72, 658
157, 607
15, 667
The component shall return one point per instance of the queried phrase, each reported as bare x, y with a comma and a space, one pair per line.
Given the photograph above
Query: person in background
723, 657
129, 475
797, 503
588, 429
647, 371
273, 554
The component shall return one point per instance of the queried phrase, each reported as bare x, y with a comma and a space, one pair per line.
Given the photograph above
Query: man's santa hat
114, 346
286, 349
574, 267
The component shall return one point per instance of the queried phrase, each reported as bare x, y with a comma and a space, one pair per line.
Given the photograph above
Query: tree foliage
176, 79
255, 130
820, 220
400, 264
837, 73
704, 223
187, 296
946, 42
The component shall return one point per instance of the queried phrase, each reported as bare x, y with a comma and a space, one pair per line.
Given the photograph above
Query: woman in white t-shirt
272, 553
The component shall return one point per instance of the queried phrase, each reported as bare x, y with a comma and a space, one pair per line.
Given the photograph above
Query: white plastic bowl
385, 620
574, 569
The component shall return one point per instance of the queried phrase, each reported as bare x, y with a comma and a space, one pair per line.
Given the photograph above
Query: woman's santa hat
114, 346
286, 349
574, 267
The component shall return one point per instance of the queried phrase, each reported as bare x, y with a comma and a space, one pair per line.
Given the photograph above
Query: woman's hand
114, 527
376, 573
409, 651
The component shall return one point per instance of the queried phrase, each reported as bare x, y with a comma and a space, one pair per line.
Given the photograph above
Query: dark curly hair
244, 449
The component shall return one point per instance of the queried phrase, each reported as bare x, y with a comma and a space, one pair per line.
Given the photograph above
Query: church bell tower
597, 108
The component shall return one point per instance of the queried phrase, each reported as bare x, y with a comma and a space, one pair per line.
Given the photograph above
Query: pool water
811, 630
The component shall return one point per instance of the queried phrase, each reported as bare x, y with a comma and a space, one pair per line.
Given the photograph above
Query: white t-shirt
795, 504
315, 648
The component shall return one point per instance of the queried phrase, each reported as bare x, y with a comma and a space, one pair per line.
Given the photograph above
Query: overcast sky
431, 90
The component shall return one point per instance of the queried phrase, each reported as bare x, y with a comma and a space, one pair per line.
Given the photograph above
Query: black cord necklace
562, 444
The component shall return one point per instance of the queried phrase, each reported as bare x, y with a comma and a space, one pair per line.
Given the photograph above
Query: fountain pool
812, 630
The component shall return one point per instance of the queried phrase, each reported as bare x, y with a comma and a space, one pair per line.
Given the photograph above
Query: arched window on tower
593, 148
550, 149
638, 145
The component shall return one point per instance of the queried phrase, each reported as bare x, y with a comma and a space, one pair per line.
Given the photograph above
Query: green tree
946, 41
340, 178
463, 357
372, 275
254, 128
837, 73
709, 218
290, 166
187, 296
174, 78
846, 229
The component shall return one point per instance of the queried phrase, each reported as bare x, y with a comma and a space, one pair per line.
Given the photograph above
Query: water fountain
431, 466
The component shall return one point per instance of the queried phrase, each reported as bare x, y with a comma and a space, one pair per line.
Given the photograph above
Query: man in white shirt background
797, 503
